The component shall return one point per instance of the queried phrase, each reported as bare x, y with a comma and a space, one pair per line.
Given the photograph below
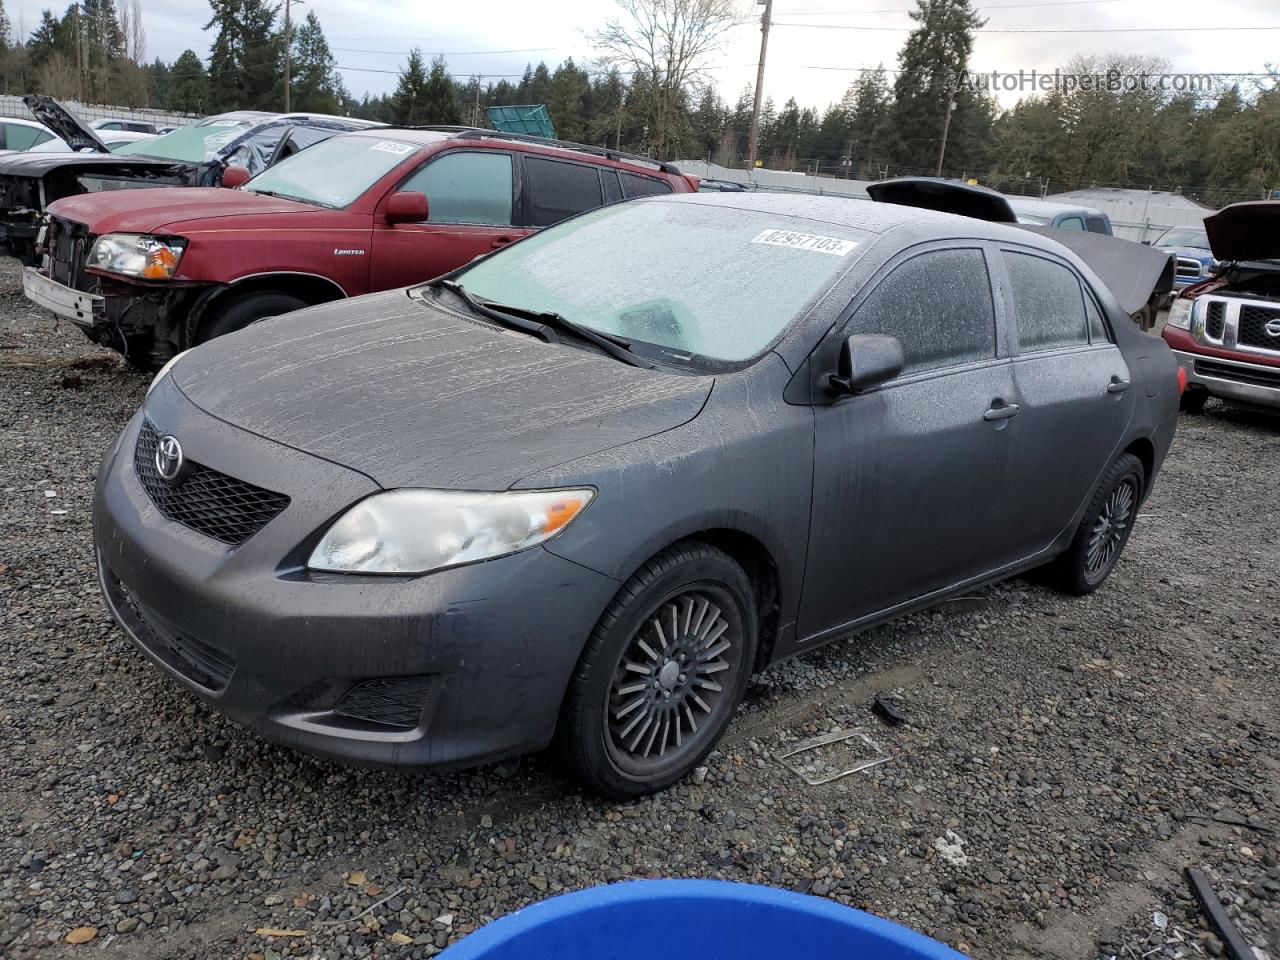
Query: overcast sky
368, 37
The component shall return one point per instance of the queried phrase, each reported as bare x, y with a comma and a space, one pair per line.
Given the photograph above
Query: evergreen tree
408, 101
568, 95
188, 84
244, 63
440, 95
315, 83
45, 39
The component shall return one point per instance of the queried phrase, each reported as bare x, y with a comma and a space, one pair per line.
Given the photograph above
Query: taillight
1182, 380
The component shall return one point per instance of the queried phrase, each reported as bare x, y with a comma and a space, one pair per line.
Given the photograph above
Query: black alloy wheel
1104, 530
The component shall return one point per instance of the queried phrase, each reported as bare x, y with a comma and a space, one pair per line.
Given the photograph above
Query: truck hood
412, 395
27, 164
77, 135
1245, 231
945, 196
128, 211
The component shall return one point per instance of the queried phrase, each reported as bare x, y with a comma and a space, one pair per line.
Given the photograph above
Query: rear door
471, 211
1073, 389
909, 477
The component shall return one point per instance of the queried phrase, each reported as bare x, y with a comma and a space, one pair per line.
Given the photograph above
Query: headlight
138, 255
1180, 313
415, 531
164, 371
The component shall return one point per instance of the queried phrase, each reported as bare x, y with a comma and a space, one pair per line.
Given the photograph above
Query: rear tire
246, 310
1193, 401
1104, 530
662, 673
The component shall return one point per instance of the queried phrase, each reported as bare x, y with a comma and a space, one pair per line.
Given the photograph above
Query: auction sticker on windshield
388, 146
805, 241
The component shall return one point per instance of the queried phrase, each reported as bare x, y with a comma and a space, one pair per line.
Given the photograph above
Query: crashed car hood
945, 196
414, 396
128, 211
1245, 231
77, 135
27, 164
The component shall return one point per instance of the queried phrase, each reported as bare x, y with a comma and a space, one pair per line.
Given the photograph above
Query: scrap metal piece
1236, 946
886, 707
839, 736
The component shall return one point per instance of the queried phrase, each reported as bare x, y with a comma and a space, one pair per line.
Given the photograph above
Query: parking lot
1064, 759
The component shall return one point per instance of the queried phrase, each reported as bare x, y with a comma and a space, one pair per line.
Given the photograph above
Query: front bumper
456, 667
83, 309
1232, 379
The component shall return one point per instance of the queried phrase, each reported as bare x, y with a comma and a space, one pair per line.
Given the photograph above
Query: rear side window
1048, 302
939, 307
612, 189
1098, 332
634, 185
466, 187
1098, 225
558, 190
18, 137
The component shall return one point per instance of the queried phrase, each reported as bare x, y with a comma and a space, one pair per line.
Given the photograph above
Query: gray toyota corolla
579, 490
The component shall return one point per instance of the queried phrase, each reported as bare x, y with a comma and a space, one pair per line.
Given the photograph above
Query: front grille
1226, 371
67, 244
1188, 268
1253, 324
392, 702
200, 663
1215, 319
205, 500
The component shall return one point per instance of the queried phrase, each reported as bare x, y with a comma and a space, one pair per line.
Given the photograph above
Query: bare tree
131, 28
666, 45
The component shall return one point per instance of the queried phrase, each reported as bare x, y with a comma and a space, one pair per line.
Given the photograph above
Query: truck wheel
242, 311
662, 673
1104, 530
1193, 401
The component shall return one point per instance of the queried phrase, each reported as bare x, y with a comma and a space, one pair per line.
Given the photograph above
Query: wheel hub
669, 674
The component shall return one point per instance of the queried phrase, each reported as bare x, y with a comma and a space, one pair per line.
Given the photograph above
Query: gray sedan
581, 489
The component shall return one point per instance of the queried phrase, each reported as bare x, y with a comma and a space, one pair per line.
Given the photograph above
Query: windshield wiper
545, 324
287, 196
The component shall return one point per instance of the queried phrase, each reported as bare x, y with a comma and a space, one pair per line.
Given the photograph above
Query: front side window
557, 190
938, 305
466, 187
1071, 223
1048, 303
696, 280
333, 173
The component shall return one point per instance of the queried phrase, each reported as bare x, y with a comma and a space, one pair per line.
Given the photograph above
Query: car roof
1047, 208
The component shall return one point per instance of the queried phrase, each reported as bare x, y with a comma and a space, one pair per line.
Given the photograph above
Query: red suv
152, 272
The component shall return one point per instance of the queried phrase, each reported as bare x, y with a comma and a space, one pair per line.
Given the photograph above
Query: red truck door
471, 211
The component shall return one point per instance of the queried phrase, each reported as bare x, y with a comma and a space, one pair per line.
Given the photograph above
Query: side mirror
1146, 243
409, 206
235, 176
866, 360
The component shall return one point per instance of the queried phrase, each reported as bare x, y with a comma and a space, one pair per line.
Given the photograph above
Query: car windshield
1185, 238
701, 279
191, 144
332, 173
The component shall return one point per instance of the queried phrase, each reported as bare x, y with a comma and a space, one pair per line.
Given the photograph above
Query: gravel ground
1064, 761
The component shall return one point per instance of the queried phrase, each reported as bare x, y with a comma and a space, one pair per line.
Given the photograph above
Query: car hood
414, 396
128, 211
27, 164
78, 135
1245, 231
1194, 253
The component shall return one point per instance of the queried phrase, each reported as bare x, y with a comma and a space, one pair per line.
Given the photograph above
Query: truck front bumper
82, 309
1231, 379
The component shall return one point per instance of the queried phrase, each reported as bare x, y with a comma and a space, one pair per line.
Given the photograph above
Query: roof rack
465, 132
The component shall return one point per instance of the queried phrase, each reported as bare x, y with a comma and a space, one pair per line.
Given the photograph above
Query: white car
16, 134
111, 138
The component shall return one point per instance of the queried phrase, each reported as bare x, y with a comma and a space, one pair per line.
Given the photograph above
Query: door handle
499, 242
1001, 411
1117, 385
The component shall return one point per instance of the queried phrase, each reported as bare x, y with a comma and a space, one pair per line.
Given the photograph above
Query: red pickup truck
1225, 331
153, 272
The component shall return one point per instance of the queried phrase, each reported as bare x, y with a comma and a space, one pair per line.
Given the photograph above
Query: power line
985, 6
847, 26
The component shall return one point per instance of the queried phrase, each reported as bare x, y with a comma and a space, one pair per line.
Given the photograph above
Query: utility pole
946, 123
288, 49
753, 138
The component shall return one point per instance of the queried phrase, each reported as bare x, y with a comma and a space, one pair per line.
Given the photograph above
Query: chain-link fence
12, 106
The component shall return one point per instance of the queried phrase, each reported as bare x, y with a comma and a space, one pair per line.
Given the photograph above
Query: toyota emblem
169, 458
1273, 328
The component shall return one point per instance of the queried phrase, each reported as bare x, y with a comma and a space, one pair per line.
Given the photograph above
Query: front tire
246, 310
662, 673
1104, 530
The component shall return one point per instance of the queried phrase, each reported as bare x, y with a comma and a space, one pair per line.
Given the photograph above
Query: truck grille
1253, 327
206, 501
1215, 319
1258, 376
1188, 268
67, 245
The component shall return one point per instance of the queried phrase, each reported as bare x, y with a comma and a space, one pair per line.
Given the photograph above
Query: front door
1073, 385
470, 201
908, 477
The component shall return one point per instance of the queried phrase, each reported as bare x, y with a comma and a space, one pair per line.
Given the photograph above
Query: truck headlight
416, 531
1180, 313
138, 255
